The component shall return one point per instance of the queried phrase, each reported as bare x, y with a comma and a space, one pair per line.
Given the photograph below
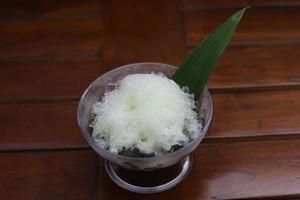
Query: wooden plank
48, 175
38, 78
259, 25
241, 116
244, 67
234, 72
235, 3
142, 30
22, 38
46, 8
39, 125
255, 114
229, 171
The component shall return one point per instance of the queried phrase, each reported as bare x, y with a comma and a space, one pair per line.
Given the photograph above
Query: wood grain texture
258, 26
244, 67
48, 175
255, 113
234, 3
48, 77
142, 30
242, 116
229, 171
21, 38
39, 126
49, 50
48, 8
72, 75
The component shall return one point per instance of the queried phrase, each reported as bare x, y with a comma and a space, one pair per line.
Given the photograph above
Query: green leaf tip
195, 70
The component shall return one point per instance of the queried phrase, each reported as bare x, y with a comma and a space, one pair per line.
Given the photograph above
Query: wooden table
52, 49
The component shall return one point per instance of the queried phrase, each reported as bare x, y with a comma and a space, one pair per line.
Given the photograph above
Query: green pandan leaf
194, 72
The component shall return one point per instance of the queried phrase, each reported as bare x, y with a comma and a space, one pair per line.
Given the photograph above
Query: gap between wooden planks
237, 116
259, 25
220, 171
260, 169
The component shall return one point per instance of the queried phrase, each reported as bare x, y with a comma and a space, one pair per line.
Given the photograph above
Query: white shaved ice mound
146, 111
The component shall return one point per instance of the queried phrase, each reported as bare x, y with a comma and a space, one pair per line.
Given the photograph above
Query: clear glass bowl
107, 82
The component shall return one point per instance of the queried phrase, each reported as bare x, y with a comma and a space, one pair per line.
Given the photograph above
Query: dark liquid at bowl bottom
149, 178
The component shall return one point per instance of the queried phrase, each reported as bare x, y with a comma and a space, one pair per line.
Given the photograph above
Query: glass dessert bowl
116, 164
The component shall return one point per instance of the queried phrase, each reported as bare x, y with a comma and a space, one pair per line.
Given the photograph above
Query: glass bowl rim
87, 135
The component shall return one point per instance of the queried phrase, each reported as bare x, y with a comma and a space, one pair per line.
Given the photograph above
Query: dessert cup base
147, 182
